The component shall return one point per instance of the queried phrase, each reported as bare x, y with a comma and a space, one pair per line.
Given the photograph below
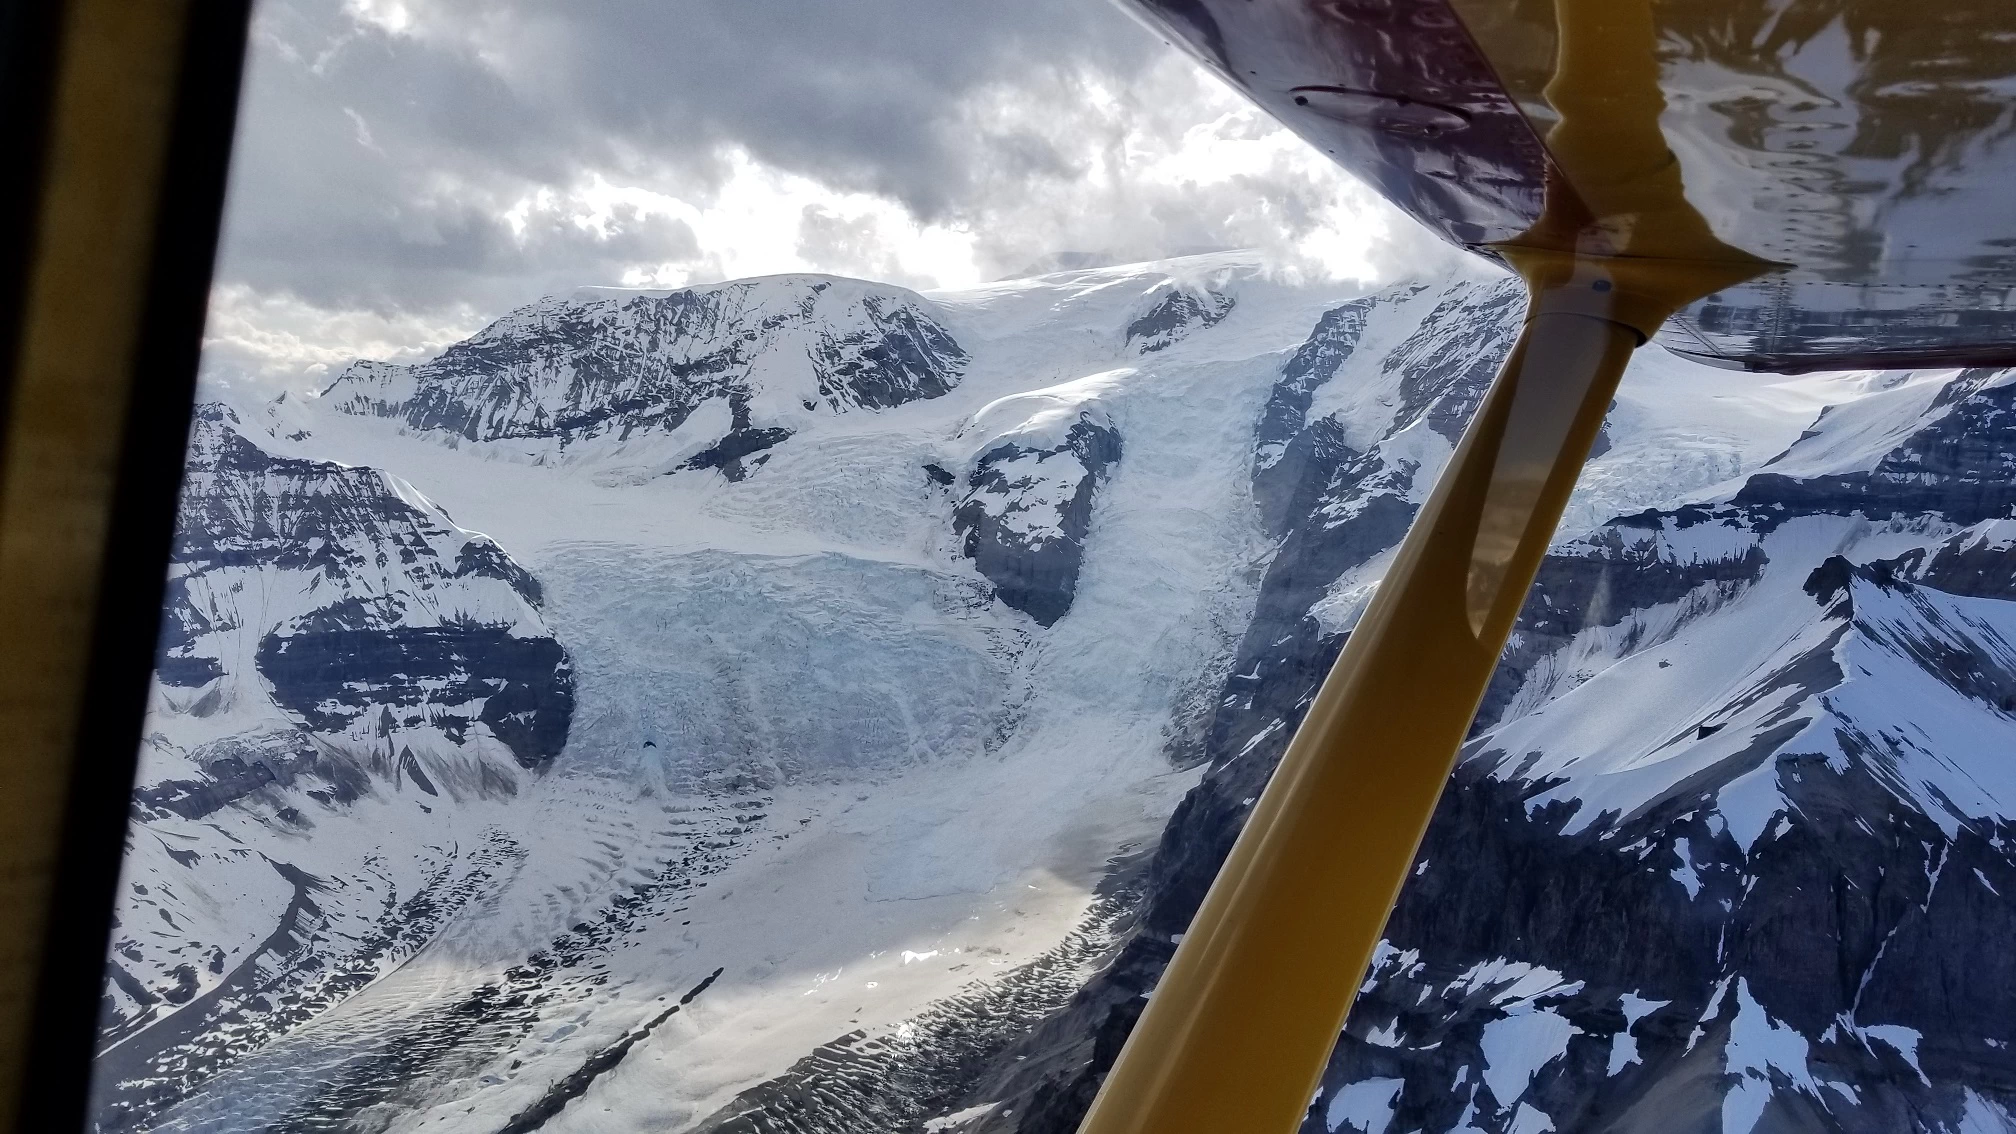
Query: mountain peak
668, 378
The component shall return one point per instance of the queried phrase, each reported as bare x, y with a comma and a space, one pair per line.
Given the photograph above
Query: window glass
743, 573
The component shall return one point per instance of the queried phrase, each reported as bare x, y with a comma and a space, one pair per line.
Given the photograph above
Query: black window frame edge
28, 38
127, 610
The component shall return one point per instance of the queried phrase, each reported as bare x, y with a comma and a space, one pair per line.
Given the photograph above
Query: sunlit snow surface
818, 775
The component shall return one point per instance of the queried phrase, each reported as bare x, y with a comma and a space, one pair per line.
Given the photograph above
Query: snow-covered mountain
859, 776
706, 378
336, 657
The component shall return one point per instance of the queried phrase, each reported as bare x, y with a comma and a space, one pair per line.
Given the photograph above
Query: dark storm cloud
384, 149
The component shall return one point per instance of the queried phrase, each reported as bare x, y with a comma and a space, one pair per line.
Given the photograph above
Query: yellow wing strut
1236, 1035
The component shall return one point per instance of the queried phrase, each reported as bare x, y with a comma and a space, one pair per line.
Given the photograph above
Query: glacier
807, 704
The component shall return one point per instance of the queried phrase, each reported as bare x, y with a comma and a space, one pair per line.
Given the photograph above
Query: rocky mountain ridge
703, 378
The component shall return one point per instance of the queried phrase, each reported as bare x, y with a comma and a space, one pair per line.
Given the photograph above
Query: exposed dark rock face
330, 678
1957, 466
1979, 562
237, 766
1025, 512
1553, 964
1177, 314
1446, 366
379, 613
600, 369
728, 453
1334, 508
1604, 578
1293, 457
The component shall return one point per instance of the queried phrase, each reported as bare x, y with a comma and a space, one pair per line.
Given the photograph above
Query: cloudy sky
408, 169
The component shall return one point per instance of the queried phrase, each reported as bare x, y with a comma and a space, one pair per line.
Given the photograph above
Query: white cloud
408, 170
279, 342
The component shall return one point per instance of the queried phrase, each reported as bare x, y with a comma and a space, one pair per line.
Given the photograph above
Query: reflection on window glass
744, 575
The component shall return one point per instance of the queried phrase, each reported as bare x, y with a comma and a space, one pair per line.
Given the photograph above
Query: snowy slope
880, 799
